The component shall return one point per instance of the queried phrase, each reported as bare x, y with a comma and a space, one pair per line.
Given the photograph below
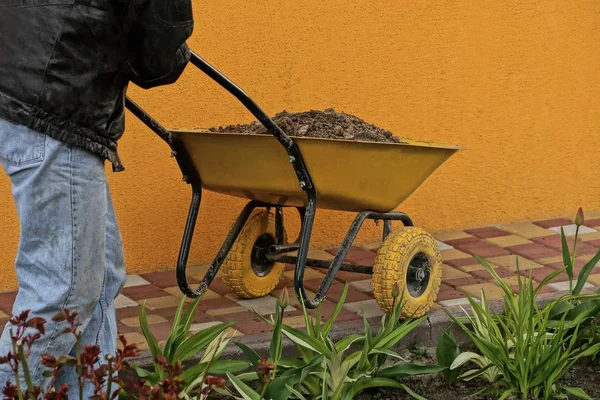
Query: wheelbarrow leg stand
333, 267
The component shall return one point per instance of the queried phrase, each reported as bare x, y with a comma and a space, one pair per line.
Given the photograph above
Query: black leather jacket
65, 64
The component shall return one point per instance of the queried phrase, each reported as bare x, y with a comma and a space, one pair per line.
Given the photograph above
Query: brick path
536, 243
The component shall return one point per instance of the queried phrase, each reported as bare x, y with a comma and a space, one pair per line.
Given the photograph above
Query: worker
65, 66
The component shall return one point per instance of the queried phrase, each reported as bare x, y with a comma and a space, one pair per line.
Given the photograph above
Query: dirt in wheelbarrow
328, 124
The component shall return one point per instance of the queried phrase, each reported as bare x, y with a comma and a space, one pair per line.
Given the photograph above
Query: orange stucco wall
517, 82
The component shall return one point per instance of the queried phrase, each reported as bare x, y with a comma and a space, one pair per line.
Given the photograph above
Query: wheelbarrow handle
292, 149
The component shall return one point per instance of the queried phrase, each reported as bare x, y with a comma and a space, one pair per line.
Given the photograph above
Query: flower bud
579, 218
396, 289
284, 299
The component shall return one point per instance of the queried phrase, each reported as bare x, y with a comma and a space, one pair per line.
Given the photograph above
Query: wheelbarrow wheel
246, 271
411, 257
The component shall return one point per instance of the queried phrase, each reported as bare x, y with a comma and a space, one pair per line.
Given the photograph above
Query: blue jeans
70, 250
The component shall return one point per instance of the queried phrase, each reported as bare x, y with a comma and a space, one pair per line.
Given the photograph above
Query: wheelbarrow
276, 171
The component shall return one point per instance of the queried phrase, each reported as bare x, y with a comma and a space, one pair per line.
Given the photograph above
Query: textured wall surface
517, 82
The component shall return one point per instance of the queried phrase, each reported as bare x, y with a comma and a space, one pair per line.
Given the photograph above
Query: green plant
89, 367
324, 370
180, 346
532, 347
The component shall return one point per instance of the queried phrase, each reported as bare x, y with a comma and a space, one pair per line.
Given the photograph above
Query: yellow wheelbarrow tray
276, 171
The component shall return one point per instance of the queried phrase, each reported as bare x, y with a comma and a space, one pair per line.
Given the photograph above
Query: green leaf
244, 390
585, 273
507, 393
296, 393
346, 342
303, 340
446, 352
338, 308
251, 354
217, 367
197, 342
406, 369
150, 339
577, 392
142, 373
277, 388
566, 254
464, 358
275, 347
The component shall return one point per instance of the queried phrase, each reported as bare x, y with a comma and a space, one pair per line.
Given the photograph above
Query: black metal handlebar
191, 176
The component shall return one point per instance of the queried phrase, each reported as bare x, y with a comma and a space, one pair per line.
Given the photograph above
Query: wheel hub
260, 264
417, 275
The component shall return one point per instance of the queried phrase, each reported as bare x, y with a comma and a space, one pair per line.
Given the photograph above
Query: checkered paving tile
523, 248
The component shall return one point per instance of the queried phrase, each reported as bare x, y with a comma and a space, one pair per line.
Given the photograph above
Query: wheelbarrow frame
277, 252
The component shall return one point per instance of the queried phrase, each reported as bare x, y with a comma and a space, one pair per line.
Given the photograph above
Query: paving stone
218, 286
264, 305
572, 228
161, 331
550, 260
309, 274
128, 312
586, 237
372, 246
453, 255
492, 291
473, 267
533, 251
555, 242
483, 249
228, 310
560, 286
510, 240
124, 302
7, 299
135, 280
176, 292
443, 246
298, 322
3, 315
484, 274
202, 326
135, 321
163, 279
345, 276
162, 302
449, 272
594, 279
526, 229
137, 338
327, 309
356, 255
451, 235
143, 292
510, 262
593, 223
365, 286
539, 274
448, 293
368, 308
335, 291
455, 302
461, 262
489, 232
552, 223
457, 283
461, 242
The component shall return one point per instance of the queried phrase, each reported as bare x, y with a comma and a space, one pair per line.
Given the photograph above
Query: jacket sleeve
157, 31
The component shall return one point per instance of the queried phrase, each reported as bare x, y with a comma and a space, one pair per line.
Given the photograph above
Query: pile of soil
328, 124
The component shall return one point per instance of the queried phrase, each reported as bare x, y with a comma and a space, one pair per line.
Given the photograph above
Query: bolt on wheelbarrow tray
348, 175
274, 172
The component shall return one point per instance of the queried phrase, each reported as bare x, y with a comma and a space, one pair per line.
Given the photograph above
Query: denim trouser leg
70, 252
